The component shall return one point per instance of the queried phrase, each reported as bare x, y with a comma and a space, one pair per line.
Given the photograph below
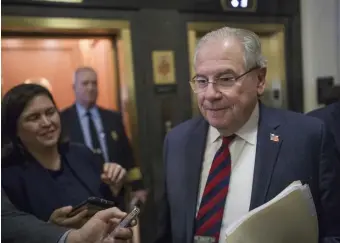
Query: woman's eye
50, 112
33, 117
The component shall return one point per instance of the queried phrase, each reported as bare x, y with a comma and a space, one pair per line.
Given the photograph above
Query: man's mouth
217, 109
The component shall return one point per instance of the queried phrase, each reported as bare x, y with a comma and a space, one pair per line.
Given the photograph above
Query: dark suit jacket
20, 227
31, 189
304, 152
330, 115
119, 149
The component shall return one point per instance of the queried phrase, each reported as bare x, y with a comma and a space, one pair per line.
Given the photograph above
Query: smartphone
93, 205
126, 221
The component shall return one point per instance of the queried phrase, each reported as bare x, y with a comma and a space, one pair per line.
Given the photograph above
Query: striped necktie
210, 213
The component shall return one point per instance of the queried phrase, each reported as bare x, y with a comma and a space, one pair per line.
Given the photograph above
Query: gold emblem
114, 135
97, 151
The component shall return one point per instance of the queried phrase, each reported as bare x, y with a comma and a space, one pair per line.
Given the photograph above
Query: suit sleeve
20, 227
163, 234
134, 174
329, 181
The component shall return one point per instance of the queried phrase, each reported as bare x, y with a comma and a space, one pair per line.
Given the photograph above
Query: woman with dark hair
42, 173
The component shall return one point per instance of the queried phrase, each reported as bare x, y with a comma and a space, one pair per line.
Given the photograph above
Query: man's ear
261, 80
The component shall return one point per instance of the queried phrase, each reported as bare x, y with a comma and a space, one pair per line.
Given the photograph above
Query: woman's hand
114, 176
60, 217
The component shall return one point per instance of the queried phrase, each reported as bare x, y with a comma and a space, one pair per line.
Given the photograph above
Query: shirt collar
247, 132
82, 110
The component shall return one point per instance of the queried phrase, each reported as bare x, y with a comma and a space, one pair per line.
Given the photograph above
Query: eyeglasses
223, 82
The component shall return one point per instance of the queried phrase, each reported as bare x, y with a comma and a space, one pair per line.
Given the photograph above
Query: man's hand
114, 176
99, 227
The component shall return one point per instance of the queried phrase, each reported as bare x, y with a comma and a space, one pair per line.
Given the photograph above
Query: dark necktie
210, 213
94, 138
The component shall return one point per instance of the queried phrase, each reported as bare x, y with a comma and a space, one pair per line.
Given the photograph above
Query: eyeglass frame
235, 79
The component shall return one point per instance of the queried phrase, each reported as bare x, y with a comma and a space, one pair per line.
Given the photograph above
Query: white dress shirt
243, 150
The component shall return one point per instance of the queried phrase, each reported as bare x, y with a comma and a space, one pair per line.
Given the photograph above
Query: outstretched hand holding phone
92, 205
99, 226
61, 217
128, 221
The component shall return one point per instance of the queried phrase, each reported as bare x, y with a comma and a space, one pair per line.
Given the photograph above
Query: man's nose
92, 87
212, 92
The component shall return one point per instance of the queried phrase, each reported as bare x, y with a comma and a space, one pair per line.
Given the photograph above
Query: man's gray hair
250, 41
82, 69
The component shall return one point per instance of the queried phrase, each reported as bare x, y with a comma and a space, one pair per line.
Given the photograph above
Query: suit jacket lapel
195, 148
76, 129
269, 141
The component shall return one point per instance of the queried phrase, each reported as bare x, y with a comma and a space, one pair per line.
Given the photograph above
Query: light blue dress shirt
84, 122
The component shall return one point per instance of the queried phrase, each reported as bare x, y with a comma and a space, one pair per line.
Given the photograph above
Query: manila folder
290, 217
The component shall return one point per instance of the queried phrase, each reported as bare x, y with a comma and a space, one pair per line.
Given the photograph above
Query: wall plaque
163, 67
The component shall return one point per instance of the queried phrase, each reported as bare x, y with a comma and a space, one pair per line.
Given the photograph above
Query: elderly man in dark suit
241, 154
101, 130
20, 227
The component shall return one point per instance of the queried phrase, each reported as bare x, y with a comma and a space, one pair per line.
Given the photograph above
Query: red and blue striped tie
210, 213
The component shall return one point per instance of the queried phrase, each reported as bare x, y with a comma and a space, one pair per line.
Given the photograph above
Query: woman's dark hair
12, 105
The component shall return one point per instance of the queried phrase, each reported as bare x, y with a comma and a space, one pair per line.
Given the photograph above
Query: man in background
330, 114
101, 130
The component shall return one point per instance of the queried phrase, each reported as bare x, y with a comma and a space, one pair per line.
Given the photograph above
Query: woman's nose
45, 121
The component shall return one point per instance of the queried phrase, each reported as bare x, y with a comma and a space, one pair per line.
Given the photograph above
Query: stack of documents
290, 217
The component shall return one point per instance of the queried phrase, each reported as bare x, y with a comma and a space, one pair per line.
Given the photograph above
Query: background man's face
86, 88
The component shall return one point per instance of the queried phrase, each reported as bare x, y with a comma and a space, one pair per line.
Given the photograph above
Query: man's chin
217, 123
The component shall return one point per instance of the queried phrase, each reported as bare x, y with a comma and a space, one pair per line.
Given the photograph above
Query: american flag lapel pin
274, 138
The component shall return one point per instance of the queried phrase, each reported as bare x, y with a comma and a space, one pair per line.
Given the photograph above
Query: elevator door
51, 62
273, 49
